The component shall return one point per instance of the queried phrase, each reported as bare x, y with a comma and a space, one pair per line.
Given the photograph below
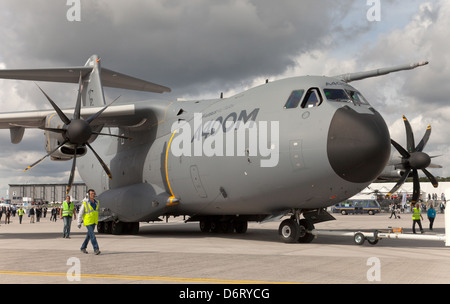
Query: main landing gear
296, 230
117, 228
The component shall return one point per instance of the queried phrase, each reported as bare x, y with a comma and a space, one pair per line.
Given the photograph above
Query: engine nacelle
53, 140
391, 174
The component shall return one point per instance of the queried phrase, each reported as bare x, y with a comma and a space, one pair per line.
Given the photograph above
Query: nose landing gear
295, 230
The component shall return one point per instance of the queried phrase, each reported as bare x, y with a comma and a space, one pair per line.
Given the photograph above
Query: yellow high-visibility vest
21, 211
90, 215
416, 213
67, 209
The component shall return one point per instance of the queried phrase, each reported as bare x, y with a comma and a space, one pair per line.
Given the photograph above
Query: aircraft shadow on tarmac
191, 231
271, 235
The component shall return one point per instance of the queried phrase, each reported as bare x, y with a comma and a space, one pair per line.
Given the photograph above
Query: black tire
289, 231
205, 226
373, 242
134, 228
101, 227
116, 228
359, 238
241, 227
304, 236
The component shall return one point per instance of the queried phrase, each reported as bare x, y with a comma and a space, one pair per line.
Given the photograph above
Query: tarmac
178, 253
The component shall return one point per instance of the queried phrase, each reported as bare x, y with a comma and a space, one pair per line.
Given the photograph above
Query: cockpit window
337, 95
294, 99
357, 97
313, 98
340, 95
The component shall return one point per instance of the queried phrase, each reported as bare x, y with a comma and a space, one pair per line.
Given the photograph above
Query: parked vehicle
357, 207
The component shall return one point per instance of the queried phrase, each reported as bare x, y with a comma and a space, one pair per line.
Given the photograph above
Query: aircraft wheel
289, 231
117, 228
215, 226
101, 227
133, 228
107, 227
205, 226
304, 235
227, 227
241, 226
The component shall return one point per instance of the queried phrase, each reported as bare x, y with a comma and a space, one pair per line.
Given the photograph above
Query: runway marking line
140, 278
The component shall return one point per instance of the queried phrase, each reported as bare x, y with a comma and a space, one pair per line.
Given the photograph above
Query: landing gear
294, 230
223, 226
117, 228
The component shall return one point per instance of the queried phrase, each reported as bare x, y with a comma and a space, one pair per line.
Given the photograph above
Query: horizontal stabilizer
71, 75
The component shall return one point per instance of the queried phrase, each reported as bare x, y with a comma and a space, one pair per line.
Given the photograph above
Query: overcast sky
200, 48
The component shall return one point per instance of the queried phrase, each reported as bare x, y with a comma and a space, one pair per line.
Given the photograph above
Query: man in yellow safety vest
417, 216
66, 215
21, 213
89, 214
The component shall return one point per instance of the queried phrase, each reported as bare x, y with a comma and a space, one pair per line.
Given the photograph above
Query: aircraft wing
126, 115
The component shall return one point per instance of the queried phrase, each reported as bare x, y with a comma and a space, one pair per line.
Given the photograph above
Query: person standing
89, 214
417, 216
8, 215
431, 214
20, 212
66, 216
392, 208
31, 214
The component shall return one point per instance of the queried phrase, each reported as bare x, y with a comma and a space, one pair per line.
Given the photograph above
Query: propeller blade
93, 117
105, 167
416, 187
431, 178
410, 145
50, 153
424, 140
56, 130
400, 182
76, 113
400, 149
72, 173
114, 135
434, 166
57, 109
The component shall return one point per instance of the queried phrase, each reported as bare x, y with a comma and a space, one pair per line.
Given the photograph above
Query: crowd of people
87, 215
418, 208
35, 213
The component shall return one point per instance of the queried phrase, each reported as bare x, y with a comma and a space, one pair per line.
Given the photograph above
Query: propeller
76, 132
414, 159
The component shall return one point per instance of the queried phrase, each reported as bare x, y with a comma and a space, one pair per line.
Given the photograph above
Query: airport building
49, 193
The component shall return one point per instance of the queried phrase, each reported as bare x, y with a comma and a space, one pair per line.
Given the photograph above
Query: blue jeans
67, 223
90, 236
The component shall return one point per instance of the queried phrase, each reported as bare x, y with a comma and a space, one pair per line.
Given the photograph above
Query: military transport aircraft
289, 147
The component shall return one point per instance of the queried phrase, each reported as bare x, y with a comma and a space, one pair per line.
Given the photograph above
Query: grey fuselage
319, 154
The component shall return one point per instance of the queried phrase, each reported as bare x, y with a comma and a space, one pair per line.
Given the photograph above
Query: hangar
19, 193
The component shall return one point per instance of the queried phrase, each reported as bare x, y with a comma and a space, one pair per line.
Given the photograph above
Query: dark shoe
97, 252
84, 251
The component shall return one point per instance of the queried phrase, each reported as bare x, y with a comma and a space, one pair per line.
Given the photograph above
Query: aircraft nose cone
358, 145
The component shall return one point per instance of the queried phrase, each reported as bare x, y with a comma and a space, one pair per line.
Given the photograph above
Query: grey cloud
183, 44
